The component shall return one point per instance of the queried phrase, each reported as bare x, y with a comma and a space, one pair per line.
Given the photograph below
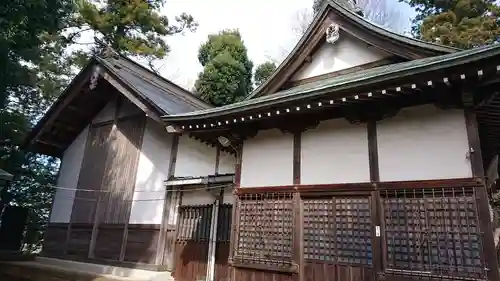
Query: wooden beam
297, 137
129, 95
168, 200
70, 93
238, 167
373, 151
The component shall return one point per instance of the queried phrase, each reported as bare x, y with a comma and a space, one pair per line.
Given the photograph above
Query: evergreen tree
263, 72
30, 78
461, 23
132, 27
227, 72
24, 26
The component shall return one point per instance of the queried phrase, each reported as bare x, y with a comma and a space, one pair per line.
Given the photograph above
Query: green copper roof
345, 82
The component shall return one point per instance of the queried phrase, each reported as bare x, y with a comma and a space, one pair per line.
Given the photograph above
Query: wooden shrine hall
366, 156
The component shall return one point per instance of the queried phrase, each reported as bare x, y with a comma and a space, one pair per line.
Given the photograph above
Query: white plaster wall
267, 160
347, 52
335, 152
106, 114
227, 196
227, 163
152, 171
196, 196
194, 159
68, 178
422, 143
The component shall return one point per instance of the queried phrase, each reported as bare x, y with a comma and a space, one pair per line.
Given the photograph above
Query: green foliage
227, 73
132, 27
263, 72
24, 24
32, 74
458, 23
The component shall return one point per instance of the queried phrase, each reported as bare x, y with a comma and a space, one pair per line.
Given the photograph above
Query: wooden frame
366, 190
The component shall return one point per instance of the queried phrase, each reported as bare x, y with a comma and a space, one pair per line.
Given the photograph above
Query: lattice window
433, 231
264, 234
338, 230
194, 223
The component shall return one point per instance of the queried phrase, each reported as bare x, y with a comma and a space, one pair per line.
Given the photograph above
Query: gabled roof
355, 25
160, 92
76, 107
342, 83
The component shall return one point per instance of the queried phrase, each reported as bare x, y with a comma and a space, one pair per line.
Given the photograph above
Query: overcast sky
265, 26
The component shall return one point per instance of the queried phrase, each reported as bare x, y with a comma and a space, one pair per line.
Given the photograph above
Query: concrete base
45, 269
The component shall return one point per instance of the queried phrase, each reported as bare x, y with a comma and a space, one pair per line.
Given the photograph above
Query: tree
263, 72
463, 23
30, 79
131, 27
227, 70
24, 26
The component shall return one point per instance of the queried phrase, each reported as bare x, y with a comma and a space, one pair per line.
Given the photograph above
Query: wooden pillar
482, 201
298, 239
234, 215
163, 257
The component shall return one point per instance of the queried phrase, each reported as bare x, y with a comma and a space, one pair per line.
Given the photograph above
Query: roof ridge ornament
332, 33
94, 78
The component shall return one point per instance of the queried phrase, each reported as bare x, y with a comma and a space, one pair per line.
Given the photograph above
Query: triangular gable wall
311, 52
347, 54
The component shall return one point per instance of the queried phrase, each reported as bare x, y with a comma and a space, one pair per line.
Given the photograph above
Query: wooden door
338, 238
192, 242
432, 234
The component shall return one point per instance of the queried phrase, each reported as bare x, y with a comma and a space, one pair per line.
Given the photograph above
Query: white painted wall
335, 152
197, 197
152, 171
422, 143
267, 159
228, 197
347, 52
194, 158
68, 178
227, 163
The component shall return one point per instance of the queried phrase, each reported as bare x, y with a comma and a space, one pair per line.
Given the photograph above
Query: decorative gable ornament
332, 33
94, 77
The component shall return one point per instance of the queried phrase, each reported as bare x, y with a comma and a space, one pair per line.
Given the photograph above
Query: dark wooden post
298, 239
163, 257
482, 201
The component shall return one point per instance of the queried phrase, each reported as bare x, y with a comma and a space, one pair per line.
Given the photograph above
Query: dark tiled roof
161, 93
344, 82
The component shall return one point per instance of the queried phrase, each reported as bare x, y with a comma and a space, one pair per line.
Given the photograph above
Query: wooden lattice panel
338, 230
434, 231
194, 223
265, 229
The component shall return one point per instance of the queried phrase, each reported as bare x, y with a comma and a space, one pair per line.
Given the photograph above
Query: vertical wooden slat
91, 173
